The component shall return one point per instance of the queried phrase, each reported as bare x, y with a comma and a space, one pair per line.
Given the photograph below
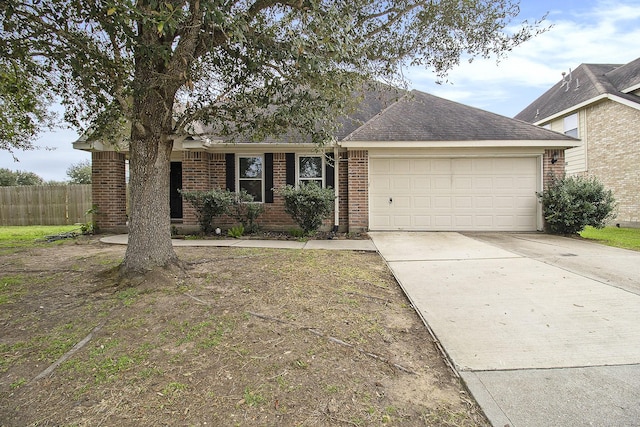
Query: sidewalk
344, 245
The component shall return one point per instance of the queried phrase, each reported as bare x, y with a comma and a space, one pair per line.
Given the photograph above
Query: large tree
80, 173
250, 67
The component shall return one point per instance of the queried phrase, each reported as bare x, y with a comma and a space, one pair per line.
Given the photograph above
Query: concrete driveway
544, 330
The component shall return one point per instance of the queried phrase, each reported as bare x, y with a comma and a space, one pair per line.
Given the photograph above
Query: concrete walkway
334, 244
544, 330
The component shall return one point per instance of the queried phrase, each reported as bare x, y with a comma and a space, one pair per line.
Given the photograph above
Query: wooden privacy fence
45, 204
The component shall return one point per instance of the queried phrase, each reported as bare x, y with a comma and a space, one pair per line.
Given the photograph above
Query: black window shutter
268, 178
329, 171
291, 168
230, 160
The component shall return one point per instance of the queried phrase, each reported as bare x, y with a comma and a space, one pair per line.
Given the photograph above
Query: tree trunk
149, 167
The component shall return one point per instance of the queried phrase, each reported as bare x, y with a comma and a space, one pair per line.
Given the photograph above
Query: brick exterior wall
109, 191
204, 171
358, 191
196, 176
343, 191
274, 216
552, 170
613, 150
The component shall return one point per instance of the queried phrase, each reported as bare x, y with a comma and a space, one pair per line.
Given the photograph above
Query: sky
582, 31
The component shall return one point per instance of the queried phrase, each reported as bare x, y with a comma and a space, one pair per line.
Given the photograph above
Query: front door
175, 183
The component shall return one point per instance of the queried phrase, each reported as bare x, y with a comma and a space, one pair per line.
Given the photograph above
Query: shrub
308, 205
208, 205
570, 204
236, 231
246, 211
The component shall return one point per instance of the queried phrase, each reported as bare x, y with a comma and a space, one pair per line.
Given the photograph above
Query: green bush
308, 205
570, 204
208, 205
236, 231
246, 211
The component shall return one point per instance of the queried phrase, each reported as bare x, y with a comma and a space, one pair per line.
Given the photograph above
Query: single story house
600, 105
403, 160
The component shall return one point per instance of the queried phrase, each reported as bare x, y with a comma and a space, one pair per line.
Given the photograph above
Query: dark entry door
175, 199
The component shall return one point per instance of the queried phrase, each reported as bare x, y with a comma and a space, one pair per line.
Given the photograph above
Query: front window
310, 169
250, 176
571, 125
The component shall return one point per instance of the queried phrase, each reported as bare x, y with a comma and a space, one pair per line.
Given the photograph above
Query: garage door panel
454, 194
422, 221
401, 183
402, 221
462, 183
484, 221
483, 183
464, 221
421, 165
380, 166
525, 182
483, 167
503, 182
483, 202
442, 202
378, 203
462, 166
442, 183
463, 202
443, 221
422, 202
441, 166
381, 183
420, 183
401, 202
401, 166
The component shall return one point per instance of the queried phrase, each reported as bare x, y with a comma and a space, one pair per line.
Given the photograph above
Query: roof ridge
597, 82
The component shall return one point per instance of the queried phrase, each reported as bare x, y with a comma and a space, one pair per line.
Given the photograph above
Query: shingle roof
626, 76
585, 83
419, 116
370, 101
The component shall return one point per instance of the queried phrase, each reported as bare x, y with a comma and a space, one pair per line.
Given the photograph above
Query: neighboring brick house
401, 161
600, 105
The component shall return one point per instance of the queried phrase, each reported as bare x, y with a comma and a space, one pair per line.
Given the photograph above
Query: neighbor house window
311, 169
571, 125
250, 176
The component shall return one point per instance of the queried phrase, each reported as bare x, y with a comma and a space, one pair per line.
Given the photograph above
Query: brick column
358, 194
109, 190
551, 170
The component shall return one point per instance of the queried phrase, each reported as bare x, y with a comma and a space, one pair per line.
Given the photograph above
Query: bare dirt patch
248, 337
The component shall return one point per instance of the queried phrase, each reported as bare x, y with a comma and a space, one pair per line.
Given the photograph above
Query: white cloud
606, 32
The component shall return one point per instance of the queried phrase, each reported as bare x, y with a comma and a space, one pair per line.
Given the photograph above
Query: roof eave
580, 106
220, 146
631, 89
560, 143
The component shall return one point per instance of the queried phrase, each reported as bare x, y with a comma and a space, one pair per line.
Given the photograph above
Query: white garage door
492, 194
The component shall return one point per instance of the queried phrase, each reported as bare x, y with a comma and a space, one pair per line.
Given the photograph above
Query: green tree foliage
80, 173
572, 203
209, 205
249, 68
308, 205
10, 178
24, 100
